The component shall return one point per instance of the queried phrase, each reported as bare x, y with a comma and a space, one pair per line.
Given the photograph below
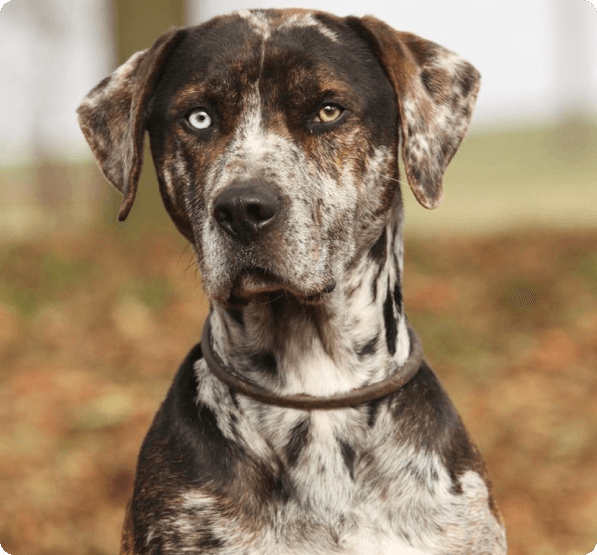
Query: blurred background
500, 282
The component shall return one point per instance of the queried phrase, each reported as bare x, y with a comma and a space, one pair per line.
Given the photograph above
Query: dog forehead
267, 24
247, 40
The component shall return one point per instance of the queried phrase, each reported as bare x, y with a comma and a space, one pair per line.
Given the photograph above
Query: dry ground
93, 327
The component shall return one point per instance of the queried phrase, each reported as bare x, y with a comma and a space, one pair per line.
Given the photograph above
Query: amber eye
329, 113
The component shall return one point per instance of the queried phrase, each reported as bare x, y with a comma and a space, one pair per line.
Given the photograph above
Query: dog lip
259, 272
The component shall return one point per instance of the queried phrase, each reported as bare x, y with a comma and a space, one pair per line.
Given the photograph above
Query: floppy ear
112, 116
435, 93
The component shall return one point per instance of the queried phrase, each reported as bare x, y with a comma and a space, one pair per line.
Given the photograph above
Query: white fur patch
258, 21
263, 26
307, 20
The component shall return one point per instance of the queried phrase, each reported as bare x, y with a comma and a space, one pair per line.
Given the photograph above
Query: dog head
275, 135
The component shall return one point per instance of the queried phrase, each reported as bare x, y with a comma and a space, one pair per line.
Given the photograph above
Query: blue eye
199, 119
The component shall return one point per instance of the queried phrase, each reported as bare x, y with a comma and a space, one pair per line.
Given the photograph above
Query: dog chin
259, 284
256, 281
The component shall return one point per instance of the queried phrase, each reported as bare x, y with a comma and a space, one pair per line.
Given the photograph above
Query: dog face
275, 136
298, 110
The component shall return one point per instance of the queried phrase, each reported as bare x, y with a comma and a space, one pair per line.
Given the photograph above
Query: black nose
246, 209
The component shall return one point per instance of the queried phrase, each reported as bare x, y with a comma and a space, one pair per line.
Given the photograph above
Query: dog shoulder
185, 436
425, 460
191, 486
184, 458
425, 412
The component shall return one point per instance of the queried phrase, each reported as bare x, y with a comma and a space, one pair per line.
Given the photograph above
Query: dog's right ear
112, 116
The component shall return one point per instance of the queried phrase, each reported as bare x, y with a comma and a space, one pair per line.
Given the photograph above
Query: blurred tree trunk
137, 23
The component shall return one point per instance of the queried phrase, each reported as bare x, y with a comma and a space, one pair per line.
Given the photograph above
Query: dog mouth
254, 282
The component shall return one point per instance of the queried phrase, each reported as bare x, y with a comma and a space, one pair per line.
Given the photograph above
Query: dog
306, 420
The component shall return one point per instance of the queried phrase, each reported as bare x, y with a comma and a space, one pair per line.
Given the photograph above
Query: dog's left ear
435, 93
112, 116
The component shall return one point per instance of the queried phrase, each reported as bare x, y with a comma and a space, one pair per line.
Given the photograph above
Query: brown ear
112, 116
435, 93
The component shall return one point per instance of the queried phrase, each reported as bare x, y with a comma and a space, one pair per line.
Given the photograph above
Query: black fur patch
234, 397
208, 540
398, 297
298, 439
368, 348
279, 489
390, 323
378, 254
264, 362
374, 289
237, 315
349, 456
373, 411
378, 250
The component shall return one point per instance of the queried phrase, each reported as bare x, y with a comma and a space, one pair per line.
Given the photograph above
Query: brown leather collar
303, 401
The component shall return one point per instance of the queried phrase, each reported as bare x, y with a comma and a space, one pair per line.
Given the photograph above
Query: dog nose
246, 209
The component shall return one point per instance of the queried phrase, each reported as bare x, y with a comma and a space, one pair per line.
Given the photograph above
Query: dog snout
245, 210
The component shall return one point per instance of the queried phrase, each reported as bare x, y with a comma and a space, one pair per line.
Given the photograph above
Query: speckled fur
311, 305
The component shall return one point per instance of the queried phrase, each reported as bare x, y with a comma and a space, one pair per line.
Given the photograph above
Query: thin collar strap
302, 401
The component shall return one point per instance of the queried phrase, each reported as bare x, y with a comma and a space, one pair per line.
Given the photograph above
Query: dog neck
355, 336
